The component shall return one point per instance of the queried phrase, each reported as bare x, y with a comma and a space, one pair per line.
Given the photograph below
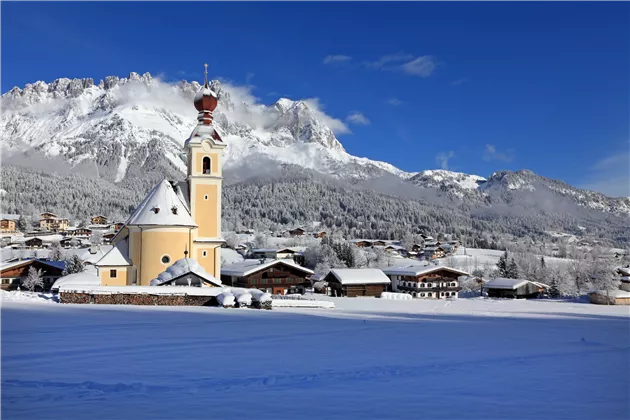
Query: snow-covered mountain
133, 128
141, 122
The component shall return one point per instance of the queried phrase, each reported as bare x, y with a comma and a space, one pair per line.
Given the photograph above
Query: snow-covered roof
181, 267
55, 264
204, 132
271, 250
617, 293
92, 258
183, 193
7, 216
247, 267
86, 279
117, 256
503, 283
156, 209
204, 91
348, 276
417, 270
624, 270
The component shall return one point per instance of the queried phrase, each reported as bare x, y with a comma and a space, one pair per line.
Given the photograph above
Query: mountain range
129, 132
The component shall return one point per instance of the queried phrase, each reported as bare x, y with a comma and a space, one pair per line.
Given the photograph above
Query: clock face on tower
206, 146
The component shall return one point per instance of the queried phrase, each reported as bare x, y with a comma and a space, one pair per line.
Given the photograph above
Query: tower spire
205, 75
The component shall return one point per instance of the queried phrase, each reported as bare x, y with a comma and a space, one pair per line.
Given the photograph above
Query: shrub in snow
396, 296
226, 299
244, 299
73, 265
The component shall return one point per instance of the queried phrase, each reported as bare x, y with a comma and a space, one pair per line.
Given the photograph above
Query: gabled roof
155, 209
6, 216
349, 276
417, 270
59, 265
276, 250
503, 283
117, 256
247, 267
182, 267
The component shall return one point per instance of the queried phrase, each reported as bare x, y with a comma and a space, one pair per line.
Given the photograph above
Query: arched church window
206, 165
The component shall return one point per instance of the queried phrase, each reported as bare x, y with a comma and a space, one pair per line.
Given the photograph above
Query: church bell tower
205, 153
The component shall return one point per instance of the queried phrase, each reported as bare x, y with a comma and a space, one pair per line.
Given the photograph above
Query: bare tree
34, 279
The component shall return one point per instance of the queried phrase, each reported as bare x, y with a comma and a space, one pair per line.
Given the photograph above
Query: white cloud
356, 117
385, 60
394, 102
610, 175
458, 82
336, 125
337, 59
443, 158
491, 153
422, 66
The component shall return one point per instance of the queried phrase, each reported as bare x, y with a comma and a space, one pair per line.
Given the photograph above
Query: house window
277, 281
421, 294
205, 197
253, 281
6, 281
430, 294
112, 274
166, 259
204, 253
429, 284
206, 165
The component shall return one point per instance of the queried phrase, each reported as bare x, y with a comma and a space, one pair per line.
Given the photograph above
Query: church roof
204, 132
161, 207
117, 256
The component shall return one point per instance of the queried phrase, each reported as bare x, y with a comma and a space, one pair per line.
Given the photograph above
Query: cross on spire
205, 77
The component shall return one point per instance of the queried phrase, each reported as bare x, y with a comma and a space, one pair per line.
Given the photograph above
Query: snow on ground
367, 359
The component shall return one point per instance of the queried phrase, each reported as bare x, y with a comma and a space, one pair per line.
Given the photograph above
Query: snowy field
367, 359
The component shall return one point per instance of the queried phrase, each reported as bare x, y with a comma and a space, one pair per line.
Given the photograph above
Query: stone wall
137, 299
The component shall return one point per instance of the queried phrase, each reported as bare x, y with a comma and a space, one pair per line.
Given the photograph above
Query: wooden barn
514, 288
352, 282
273, 276
13, 274
297, 232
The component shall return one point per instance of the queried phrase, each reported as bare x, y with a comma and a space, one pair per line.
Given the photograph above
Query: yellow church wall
206, 211
135, 246
156, 243
207, 261
214, 162
121, 278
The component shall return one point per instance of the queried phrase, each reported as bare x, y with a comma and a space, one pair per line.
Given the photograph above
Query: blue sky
472, 87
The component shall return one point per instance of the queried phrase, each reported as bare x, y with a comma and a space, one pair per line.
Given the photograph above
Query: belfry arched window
206, 165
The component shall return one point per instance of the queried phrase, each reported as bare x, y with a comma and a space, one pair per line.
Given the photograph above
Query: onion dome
205, 101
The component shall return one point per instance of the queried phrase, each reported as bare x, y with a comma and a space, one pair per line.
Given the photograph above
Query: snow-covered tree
502, 265
96, 238
512, 269
231, 240
33, 280
260, 240
55, 252
22, 223
73, 265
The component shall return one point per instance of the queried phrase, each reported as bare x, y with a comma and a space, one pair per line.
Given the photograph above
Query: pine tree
502, 265
512, 270
73, 265
542, 262
22, 224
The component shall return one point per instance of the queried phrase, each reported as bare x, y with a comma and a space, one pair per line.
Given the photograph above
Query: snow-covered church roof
162, 207
117, 256
182, 267
204, 132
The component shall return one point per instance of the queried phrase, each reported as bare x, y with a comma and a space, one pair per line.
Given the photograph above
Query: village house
426, 281
50, 221
433, 252
14, 274
178, 219
8, 226
98, 220
514, 288
320, 234
273, 253
396, 249
117, 226
78, 231
297, 232
273, 276
353, 282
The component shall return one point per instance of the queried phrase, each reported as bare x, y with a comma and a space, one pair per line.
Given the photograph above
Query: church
177, 219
